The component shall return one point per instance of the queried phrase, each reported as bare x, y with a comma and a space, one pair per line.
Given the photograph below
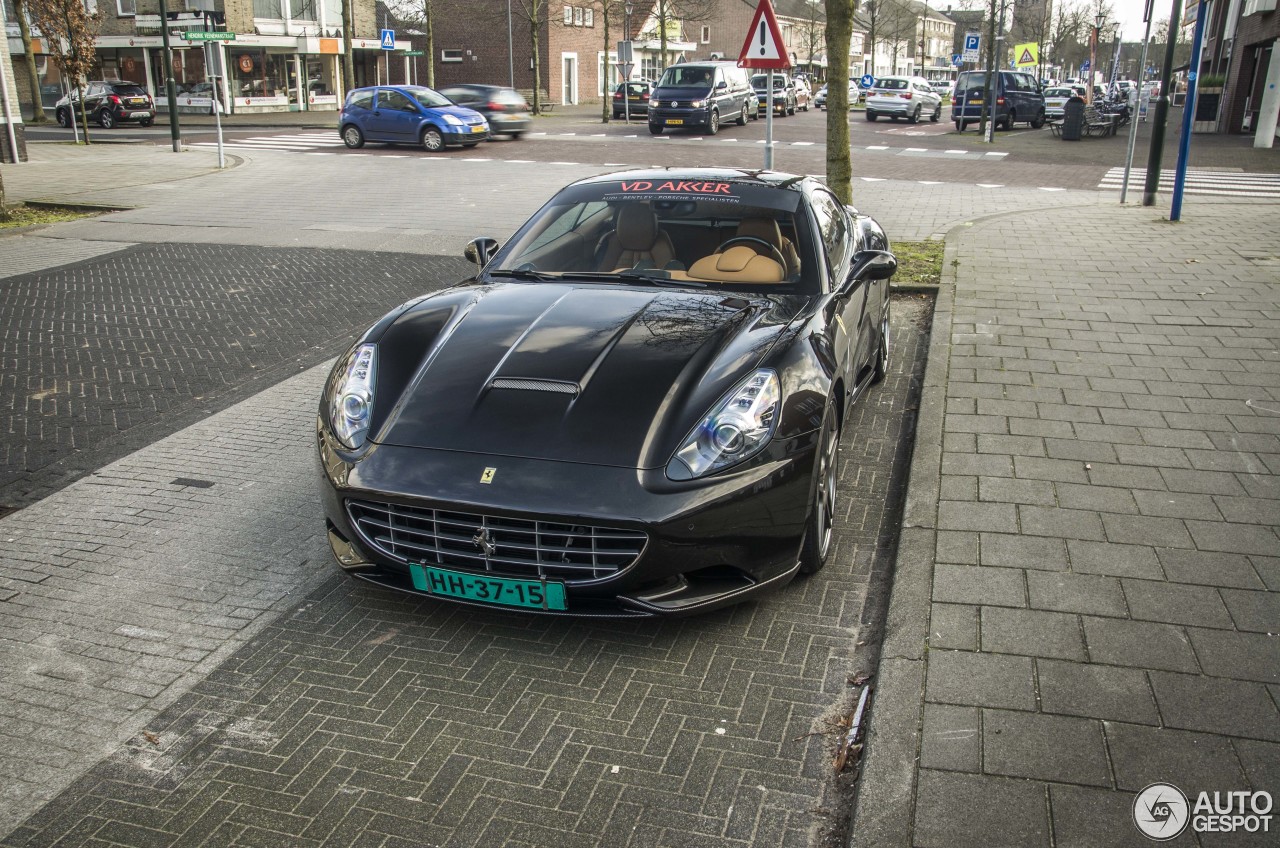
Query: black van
1018, 98
701, 94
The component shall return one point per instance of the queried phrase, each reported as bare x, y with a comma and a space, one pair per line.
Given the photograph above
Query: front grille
517, 547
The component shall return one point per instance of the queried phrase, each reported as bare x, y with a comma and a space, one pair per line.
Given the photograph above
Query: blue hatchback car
408, 114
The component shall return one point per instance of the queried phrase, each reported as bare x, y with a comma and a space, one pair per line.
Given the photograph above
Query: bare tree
69, 31
24, 31
838, 33
534, 13
812, 30
673, 14
422, 16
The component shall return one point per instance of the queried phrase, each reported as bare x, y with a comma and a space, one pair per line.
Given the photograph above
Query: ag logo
1161, 811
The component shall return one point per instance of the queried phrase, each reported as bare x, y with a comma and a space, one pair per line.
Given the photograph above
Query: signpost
201, 35
764, 50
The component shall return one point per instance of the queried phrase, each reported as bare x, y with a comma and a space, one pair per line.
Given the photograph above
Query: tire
791, 108
882, 351
914, 117
937, 114
713, 122
515, 136
146, 122
742, 118
655, 129
352, 137
1039, 120
826, 470
106, 119
871, 116
64, 118
1008, 122
959, 126
432, 140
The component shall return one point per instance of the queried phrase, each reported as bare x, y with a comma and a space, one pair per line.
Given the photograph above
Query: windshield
686, 77
702, 233
891, 84
761, 81
426, 96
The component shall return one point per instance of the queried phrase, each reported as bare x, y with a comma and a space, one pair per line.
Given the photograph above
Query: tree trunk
431, 44
348, 64
839, 165
37, 106
537, 60
662, 38
4, 210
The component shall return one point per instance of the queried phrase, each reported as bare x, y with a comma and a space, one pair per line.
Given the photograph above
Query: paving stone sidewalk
1087, 597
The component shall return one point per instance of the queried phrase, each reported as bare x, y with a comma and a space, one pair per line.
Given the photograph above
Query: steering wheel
774, 253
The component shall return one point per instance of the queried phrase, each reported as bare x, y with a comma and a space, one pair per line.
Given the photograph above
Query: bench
1096, 123
544, 108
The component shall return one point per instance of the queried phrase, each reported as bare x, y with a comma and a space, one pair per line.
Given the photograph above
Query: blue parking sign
972, 40
388, 39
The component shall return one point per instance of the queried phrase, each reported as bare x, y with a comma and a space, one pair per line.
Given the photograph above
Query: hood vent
531, 384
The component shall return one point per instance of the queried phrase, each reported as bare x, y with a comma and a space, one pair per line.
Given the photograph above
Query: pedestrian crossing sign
1028, 55
388, 39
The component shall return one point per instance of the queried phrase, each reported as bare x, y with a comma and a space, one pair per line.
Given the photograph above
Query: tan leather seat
766, 229
738, 264
636, 239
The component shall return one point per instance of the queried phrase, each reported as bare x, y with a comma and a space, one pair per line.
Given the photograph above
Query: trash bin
1072, 119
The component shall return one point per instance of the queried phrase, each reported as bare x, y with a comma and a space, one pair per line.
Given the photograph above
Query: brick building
1251, 95
286, 54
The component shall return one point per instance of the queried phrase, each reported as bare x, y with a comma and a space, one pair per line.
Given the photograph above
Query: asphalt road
883, 149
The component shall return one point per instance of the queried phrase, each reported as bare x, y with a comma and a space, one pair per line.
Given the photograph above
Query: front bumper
667, 116
464, 135
708, 544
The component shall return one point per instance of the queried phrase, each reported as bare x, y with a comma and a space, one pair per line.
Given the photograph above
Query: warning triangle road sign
1026, 58
764, 47
1027, 54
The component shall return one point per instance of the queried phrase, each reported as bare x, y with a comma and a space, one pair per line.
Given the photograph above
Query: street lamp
1098, 20
626, 37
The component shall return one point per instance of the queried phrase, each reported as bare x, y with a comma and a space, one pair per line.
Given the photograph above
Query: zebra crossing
1201, 181
296, 142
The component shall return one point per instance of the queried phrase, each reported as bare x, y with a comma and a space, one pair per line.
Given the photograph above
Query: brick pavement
106, 355
336, 714
1088, 585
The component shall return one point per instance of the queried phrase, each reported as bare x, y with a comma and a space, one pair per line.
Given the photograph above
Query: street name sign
201, 35
763, 48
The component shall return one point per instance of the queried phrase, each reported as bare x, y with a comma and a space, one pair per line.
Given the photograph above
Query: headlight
351, 397
699, 104
452, 119
734, 430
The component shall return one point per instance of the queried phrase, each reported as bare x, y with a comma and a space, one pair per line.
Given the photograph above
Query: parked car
820, 99
1055, 100
108, 102
903, 97
943, 88
504, 108
633, 408
787, 96
700, 94
637, 94
408, 114
1017, 98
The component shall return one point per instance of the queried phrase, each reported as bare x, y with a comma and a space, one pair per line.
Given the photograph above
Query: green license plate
487, 589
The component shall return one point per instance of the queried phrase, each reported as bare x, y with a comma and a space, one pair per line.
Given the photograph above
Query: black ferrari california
633, 408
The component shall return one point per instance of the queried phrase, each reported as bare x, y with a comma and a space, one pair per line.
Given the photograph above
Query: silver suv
903, 97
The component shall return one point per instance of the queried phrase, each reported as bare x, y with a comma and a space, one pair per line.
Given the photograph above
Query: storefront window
124, 63
259, 76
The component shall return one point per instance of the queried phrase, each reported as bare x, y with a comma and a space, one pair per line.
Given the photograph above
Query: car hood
463, 113
607, 375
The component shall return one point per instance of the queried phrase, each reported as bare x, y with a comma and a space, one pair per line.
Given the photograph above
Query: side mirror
721, 85
873, 265
481, 250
